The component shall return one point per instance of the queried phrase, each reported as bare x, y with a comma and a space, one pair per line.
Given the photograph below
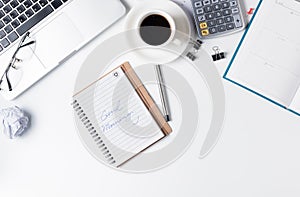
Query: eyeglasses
13, 61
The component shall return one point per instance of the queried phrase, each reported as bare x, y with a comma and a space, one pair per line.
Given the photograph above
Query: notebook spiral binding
92, 131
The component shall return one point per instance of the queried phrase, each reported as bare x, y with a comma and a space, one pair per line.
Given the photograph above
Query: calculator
218, 17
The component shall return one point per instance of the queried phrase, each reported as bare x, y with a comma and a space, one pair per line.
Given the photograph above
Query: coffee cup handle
177, 42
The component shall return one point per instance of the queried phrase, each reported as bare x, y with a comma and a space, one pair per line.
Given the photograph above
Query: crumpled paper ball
13, 121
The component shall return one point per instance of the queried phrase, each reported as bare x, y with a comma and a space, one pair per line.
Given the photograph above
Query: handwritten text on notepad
108, 113
113, 117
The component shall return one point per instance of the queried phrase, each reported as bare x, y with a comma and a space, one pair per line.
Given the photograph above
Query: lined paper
120, 115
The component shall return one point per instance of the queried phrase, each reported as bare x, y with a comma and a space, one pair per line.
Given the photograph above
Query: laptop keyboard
18, 16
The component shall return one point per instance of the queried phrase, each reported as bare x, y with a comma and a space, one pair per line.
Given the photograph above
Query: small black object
197, 44
191, 56
218, 55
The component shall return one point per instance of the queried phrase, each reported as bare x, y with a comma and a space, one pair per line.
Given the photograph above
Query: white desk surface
257, 154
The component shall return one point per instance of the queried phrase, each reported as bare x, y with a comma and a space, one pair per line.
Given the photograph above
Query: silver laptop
57, 30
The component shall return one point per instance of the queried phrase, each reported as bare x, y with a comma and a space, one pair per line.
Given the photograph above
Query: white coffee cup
171, 48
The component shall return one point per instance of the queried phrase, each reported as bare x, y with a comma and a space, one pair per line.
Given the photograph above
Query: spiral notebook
118, 117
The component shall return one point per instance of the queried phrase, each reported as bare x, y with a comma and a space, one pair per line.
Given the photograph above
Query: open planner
118, 117
267, 60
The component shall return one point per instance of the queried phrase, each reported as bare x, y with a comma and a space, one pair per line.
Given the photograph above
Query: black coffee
155, 29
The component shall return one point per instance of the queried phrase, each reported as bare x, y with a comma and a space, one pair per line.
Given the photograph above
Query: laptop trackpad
56, 41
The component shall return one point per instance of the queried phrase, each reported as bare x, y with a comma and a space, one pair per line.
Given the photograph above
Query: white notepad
119, 115
267, 60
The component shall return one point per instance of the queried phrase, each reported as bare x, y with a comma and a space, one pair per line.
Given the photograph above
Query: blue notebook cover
234, 56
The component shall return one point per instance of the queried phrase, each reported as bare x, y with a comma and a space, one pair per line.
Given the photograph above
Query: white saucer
162, 53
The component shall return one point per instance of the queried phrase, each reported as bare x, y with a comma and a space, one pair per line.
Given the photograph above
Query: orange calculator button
205, 32
203, 25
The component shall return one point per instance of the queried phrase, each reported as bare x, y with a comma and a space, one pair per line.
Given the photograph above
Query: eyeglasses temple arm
8, 82
13, 60
29, 43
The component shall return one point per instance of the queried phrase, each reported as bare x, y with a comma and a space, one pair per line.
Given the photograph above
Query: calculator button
237, 21
209, 16
225, 5
201, 18
230, 26
228, 19
217, 7
211, 23
220, 21
198, 4
213, 30
235, 10
226, 12
205, 32
207, 9
233, 3
218, 14
200, 11
203, 25
206, 2
222, 28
